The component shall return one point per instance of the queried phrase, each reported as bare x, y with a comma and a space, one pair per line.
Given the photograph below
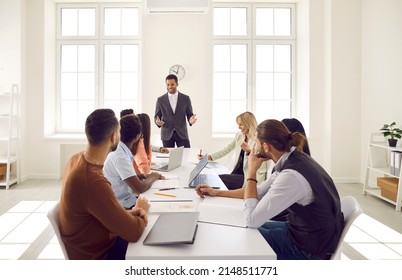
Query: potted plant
394, 133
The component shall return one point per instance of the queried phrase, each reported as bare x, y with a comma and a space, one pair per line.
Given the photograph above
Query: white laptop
196, 178
175, 159
173, 228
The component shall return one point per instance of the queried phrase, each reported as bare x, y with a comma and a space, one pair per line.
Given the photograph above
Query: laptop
175, 159
196, 178
173, 228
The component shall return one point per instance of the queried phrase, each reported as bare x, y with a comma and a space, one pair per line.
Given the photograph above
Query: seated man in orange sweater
93, 224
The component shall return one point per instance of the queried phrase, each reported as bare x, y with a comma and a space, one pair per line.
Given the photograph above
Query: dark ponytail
278, 135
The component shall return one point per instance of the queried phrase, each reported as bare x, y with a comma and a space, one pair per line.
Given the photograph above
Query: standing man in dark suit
171, 112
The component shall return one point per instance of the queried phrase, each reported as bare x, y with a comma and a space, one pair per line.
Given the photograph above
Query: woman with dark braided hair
299, 185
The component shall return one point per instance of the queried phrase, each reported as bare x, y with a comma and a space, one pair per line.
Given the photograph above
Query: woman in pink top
143, 150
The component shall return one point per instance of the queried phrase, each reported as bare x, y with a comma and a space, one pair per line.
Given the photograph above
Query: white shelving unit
378, 165
10, 136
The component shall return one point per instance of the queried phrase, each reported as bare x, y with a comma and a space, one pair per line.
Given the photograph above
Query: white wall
345, 89
186, 40
334, 85
350, 50
12, 58
381, 78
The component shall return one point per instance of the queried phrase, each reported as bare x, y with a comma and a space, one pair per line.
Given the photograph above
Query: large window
98, 61
253, 63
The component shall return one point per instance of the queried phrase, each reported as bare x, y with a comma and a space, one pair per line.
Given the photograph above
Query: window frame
99, 40
253, 40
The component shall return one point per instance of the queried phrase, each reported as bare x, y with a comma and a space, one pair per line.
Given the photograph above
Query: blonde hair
249, 121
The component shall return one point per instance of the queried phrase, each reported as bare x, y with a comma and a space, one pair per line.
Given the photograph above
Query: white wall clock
177, 70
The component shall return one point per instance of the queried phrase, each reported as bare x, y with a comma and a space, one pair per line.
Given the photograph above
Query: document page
167, 207
222, 210
167, 183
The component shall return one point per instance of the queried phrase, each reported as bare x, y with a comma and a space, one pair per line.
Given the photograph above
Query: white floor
25, 232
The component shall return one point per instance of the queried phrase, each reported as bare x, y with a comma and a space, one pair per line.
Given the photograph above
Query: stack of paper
395, 162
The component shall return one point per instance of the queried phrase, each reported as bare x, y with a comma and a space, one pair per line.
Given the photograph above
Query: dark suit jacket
176, 121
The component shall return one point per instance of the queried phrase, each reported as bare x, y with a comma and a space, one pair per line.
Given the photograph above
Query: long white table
212, 241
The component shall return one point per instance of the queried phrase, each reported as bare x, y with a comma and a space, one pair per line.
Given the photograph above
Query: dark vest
315, 228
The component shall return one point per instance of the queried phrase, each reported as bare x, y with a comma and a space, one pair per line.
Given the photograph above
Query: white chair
53, 216
351, 210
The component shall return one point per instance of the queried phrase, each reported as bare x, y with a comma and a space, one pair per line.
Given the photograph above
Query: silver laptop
173, 228
175, 159
196, 178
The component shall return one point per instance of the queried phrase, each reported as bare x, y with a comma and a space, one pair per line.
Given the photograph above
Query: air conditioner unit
177, 6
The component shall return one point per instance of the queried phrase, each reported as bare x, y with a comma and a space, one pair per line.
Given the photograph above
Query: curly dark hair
130, 128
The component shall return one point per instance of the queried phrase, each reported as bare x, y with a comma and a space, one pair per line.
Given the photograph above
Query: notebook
196, 178
223, 211
173, 228
175, 159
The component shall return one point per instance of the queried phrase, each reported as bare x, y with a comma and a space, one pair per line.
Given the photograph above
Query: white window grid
99, 41
252, 40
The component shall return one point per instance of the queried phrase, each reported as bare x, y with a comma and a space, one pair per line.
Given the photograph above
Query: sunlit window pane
78, 22
221, 113
230, 21
264, 22
238, 21
112, 21
221, 86
68, 85
282, 58
69, 22
282, 109
264, 86
239, 58
69, 55
221, 58
86, 22
282, 23
264, 110
69, 115
86, 86
112, 58
129, 85
129, 57
221, 21
84, 109
129, 22
239, 86
115, 105
112, 86
282, 86
86, 58
237, 107
264, 58
121, 21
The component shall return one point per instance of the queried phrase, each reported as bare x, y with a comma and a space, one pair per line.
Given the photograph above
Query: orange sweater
91, 217
142, 158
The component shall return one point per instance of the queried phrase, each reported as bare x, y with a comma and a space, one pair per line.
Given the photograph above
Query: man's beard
262, 154
114, 147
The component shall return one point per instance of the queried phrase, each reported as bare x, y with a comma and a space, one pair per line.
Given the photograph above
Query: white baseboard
43, 176
347, 180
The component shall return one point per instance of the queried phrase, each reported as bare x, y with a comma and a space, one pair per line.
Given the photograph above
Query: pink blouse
142, 158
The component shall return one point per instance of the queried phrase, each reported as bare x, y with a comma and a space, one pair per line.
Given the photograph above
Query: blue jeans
277, 235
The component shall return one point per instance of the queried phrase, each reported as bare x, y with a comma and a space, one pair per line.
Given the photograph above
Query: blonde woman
243, 143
